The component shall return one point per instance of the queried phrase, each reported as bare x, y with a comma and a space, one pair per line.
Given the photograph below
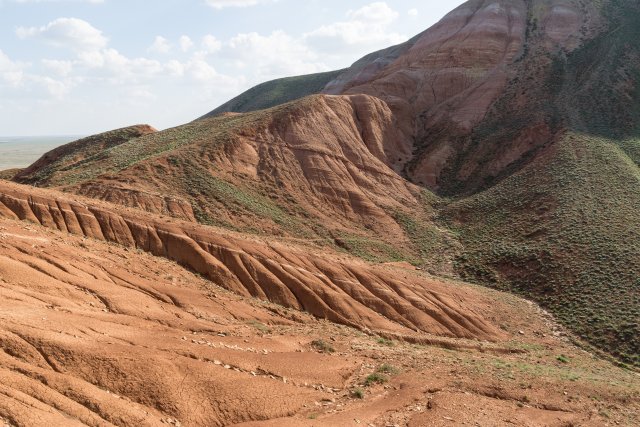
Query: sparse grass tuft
322, 346
260, 326
388, 369
375, 378
385, 341
357, 393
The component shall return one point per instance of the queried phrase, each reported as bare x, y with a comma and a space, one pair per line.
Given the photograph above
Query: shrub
387, 369
375, 378
358, 393
322, 346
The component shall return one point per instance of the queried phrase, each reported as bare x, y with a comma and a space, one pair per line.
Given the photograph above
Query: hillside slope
501, 145
95, 333
564, 231
314, 169
275, 92
73, 154
349, 293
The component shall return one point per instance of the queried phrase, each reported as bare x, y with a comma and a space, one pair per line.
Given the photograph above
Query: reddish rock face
443, 83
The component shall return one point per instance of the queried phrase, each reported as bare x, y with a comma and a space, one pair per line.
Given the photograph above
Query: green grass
432, 247
276, 92
564, 233
370, 248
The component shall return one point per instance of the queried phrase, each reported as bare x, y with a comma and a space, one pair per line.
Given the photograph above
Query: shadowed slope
564, 231
275, 92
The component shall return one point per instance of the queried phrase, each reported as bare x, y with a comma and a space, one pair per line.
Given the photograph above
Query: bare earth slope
315, 169
356, 295
98, 334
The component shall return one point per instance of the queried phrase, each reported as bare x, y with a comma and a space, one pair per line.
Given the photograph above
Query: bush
387, 369
375, 378
322, 346
384, 341
358, 393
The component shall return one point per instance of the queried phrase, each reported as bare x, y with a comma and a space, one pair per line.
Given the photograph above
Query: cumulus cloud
185, 43
365, 28
62, 68
274, 55
57, 89
160, 45
210, 44
10, 72
72, 33
413, 12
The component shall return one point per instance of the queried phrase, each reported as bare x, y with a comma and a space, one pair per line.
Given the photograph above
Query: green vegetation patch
564, 233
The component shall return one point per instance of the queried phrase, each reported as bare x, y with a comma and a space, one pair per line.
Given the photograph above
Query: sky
78, 67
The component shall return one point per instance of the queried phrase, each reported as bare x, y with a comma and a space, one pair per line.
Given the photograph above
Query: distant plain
21, 151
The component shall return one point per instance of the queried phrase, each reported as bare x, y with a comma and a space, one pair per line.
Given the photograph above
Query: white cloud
275, 55
55, 88
10, 72
201, 70
366, 28
174, 68
71, 33
413, 12
210, 44
62, 68
222, 4
119, 69
185, 43
160, 45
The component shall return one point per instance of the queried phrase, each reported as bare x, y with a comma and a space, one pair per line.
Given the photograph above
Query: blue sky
85, 66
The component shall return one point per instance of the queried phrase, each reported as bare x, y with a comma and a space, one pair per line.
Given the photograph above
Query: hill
500, 145
275, 92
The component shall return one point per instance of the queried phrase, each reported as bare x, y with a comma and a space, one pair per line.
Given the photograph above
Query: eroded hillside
96, 333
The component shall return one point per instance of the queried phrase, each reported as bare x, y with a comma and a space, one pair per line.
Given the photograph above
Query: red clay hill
298, 256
